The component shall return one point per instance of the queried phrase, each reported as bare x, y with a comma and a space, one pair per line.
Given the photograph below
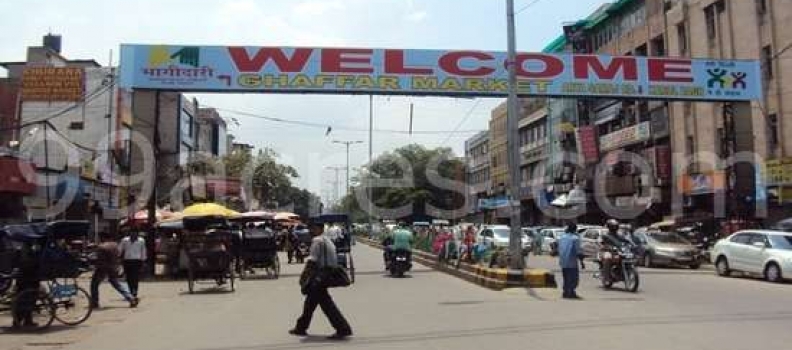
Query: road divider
492, 278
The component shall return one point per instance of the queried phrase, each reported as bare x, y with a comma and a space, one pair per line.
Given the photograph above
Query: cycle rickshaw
206, 242
259, 250
45, 257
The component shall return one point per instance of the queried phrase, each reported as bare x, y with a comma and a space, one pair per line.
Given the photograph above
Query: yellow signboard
778, 172
52, 84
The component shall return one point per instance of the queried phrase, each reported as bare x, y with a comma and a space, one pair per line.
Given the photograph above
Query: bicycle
72, 303
33, 304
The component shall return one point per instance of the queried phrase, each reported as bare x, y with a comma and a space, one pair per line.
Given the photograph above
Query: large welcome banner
433, 72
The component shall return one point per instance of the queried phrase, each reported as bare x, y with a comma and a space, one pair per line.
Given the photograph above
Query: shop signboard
53, 84
627, 136
704, 183
778, 172
587, 140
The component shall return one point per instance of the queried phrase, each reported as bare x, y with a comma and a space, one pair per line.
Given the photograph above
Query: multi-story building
498, 151
168, 120
477, 159
212, 133
534, 150
701, 131
68, 120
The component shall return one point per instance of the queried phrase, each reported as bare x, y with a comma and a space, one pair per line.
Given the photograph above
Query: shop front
15, 184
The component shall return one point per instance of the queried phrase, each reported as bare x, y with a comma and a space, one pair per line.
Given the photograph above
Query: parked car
760, 252
498, 236
590, 240
657, 247
549, 238
528, 236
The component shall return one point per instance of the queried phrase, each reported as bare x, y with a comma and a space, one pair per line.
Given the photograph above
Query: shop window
709, 17
761, 7
772, 134
658, 46
767, 62
682, 38
690, 145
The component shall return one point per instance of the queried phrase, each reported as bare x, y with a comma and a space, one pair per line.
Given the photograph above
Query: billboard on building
433, 72
53, 84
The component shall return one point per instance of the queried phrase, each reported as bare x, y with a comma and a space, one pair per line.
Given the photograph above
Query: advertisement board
433, 72
53, 84
705, 183
587, 139
778, 172
633, 134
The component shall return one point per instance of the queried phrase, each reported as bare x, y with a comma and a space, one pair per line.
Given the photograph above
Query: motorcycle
704, 248
622, 269
399, 263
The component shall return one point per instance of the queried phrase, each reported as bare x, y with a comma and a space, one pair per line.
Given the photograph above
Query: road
675, 309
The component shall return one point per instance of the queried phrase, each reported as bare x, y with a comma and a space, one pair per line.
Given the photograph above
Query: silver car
760, 252
658, 247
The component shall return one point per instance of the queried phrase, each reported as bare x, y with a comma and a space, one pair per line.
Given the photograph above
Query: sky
92, 28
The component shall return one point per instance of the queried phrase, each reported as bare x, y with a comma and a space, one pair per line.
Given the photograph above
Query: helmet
611, 223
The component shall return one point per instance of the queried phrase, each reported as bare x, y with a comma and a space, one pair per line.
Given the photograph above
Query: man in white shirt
133, 252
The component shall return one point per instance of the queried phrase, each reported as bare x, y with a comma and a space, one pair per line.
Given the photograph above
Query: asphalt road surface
674, 309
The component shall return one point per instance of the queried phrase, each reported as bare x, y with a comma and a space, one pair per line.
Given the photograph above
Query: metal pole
347, 170
512, 146
47, 176
110, 158
370, 158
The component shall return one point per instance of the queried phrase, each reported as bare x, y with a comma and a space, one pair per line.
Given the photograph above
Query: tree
422, 162
272, 181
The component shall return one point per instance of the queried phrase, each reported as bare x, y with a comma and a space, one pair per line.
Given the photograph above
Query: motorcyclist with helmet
608, 243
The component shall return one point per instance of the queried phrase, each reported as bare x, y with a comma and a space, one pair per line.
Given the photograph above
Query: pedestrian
106, 267
133, 251
27, 278
322, 254
568, 257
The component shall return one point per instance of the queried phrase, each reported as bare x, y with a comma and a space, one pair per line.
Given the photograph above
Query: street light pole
337, 182
370, 155
512, 145
347, 144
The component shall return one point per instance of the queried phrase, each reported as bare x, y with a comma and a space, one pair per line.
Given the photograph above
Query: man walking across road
133, 251
322, 254
106, 267
568, 257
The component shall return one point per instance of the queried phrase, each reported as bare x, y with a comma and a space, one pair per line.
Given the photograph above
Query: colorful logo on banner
175, 67
434, 72
724, 81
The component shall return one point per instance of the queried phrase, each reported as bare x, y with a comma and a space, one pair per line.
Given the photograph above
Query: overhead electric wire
534, 2
334, 127
461, 122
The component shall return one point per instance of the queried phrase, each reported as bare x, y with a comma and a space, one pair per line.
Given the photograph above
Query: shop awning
12, 178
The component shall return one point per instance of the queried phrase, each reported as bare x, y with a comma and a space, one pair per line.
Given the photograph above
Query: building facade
70, 132
534, 151
683, 143
477, 159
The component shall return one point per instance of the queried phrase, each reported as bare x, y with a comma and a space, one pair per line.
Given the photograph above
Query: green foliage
417, 161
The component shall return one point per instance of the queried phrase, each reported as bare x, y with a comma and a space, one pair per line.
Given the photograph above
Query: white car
549, 237
759, 252
498, 236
